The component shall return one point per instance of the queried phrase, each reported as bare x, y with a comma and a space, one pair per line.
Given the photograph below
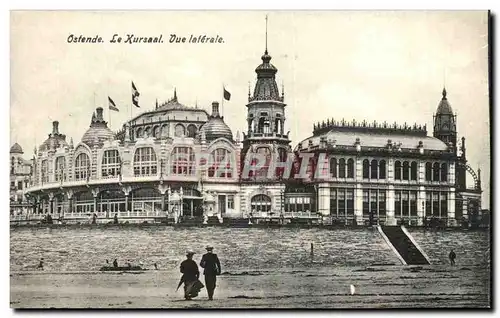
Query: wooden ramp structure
403, 245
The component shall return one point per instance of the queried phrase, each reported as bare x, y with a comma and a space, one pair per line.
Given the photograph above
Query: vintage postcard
250, 159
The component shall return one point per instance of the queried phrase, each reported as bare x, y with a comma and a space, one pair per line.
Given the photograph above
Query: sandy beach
375, 287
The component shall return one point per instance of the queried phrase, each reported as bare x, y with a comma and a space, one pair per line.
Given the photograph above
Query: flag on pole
135, 96
112, 105
227, 95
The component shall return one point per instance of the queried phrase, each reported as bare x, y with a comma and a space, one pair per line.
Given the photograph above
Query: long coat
210, 262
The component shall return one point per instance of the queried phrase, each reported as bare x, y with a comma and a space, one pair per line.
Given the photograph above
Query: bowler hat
209, 247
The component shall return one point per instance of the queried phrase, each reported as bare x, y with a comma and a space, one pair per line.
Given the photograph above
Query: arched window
220, 165
191, 131
397, 170
435, 171
406, 170
183, 161
350, 168
264, 125
138, 133
164, 131
333, 167
261, 202
82, 167
45, 171
428, 171
413, 168
179, 130
60, 168
110, 165
382, 169
12, 163
147, 132
374, 169
366, 169
156, 131
341, 168
145, 162
444, 172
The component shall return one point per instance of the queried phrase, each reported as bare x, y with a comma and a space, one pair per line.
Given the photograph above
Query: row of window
163, 131
20, 184
145, 164
374, 203
376, 169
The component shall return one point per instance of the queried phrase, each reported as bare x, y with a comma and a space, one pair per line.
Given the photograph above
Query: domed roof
16, 148
216, 127
444, 107
266, 67
55, 139
98, 132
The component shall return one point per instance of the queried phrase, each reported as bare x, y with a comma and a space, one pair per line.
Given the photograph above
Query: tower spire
266, 35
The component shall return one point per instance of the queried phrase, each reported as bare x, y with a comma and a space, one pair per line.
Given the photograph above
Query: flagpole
222, 106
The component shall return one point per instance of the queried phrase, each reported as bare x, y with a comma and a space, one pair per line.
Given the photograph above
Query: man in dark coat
452, 257
190, 276
210, 262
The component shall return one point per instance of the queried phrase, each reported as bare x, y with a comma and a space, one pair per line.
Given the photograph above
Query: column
421, 205
391, 220
324, 199
163, 190
358, 172
390, 173
126, 190
452, 221
358, 203
51, 203
95, 193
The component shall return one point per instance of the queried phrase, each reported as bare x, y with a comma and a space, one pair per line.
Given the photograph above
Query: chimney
99, 114
55, 127
215, 109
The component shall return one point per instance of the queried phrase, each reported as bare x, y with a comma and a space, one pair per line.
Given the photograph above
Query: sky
383, 66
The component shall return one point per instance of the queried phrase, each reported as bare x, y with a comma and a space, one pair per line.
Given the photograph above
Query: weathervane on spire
266, 35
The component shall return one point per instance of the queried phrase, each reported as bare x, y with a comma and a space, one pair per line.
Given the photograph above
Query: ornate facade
179, 161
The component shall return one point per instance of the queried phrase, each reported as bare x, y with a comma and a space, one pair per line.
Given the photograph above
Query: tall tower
445, 127
266, 117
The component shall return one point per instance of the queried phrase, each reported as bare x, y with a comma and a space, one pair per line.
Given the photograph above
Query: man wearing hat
190, 276
210, 262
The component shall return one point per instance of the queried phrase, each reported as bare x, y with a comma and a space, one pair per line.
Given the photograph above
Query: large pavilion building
166, 164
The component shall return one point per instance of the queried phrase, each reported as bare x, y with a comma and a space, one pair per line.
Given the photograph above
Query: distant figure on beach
115, 219
190, 277
40, 265
107, 262
210, 262
94, 218
452, 257
129, 264
115, 263
49, 219
156, 266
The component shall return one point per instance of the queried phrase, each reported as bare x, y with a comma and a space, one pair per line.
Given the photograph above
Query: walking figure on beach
210, 262
115, 219
191, 274
40, 265
452, 257
115, 263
